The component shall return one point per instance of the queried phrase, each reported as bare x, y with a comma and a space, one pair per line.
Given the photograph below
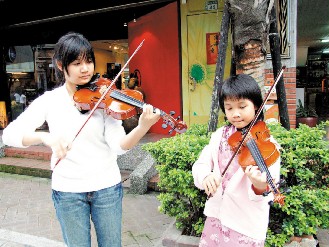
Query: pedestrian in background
237, 212
86, 183
17, 97
22, 101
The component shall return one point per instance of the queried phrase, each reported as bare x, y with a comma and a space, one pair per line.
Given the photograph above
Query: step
39, 168
38, 152
35, 161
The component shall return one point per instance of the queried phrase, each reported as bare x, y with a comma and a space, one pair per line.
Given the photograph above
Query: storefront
175, 57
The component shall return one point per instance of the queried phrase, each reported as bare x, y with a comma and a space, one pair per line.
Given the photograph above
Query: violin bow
254, 120
104, 94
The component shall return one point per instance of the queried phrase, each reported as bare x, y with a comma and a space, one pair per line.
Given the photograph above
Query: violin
257, 149
120, 104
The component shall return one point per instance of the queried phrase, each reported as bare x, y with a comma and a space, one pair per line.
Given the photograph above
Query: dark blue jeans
104, 207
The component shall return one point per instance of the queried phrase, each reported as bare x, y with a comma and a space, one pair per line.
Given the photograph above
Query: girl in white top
86, 183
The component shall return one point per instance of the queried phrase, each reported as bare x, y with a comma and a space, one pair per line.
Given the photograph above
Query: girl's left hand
257, 178
148, 117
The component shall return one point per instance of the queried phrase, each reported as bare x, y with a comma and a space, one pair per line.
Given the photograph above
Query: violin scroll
178, 126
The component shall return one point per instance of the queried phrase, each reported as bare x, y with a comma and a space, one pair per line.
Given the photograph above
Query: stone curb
172, 237
140, 177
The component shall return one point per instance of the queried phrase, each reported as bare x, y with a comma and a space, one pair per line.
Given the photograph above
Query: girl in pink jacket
237, 211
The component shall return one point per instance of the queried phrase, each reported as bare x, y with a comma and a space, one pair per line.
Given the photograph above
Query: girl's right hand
59, 146
211, 183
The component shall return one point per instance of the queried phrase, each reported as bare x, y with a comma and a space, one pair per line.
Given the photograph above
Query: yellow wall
196, 22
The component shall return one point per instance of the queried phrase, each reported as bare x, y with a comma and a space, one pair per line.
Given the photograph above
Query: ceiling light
125, 24
326, 51
134, 19
324, 40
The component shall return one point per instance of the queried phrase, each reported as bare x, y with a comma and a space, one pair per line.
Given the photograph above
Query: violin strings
130, 100
135, 102
125, 98
260, 162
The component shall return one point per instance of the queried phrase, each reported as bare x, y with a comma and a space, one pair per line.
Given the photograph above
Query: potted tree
306, 115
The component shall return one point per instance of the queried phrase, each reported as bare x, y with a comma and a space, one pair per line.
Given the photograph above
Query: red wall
158, 59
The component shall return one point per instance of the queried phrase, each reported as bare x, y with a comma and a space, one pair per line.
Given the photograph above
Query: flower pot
301, 241
310, 121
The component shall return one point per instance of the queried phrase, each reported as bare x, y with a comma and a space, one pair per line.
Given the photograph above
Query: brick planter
174, 238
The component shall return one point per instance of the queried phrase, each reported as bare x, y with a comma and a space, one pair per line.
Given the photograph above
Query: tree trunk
220, 65
276, 63
250, 33
4, 89
250, 59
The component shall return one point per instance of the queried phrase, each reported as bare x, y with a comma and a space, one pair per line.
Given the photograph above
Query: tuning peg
271, 203
282, 182
172, 113
287, 190
164, 126
266, 193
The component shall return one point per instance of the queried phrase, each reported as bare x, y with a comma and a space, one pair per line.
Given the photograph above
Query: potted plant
306, 115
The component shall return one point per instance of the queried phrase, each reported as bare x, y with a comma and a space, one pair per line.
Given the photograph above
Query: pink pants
215, 234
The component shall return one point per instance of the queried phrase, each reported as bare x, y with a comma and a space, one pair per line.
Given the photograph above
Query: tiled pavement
27, 215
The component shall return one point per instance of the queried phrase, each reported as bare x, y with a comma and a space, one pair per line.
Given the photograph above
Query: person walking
86, 180
17, 97
22, 101
237, 212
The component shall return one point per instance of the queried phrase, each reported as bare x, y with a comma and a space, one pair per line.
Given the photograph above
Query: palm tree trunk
250, 35
251, 60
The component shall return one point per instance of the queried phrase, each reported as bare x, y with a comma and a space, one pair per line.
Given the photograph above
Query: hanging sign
212, 41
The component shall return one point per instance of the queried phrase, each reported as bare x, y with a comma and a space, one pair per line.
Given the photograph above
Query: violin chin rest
83, 111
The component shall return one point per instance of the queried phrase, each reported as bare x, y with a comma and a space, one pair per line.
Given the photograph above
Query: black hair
241, 86
70, 47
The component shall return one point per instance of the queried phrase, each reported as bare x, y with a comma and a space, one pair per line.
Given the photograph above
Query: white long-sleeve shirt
91, 163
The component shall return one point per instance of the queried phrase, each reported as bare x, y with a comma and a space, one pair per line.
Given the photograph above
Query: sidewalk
27, 215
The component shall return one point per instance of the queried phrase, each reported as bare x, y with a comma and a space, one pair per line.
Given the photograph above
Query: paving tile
26, 208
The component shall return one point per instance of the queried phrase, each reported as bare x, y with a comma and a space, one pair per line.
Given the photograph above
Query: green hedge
305, 163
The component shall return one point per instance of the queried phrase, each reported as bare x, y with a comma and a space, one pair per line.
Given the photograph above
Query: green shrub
305, 165
180, 198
